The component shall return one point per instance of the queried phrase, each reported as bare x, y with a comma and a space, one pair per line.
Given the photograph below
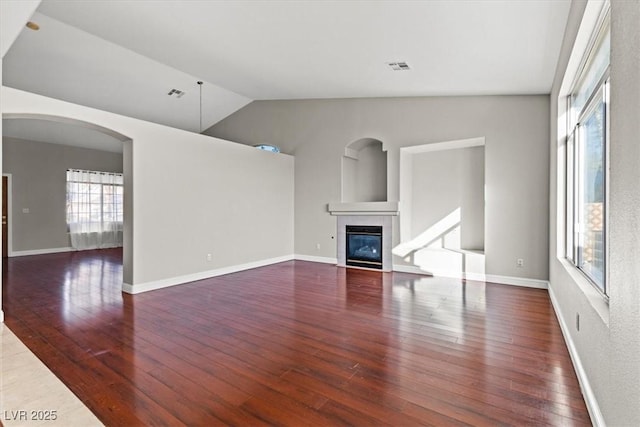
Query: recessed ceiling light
399, 66
32, 26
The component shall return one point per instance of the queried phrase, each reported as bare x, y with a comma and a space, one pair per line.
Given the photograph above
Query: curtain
94, 209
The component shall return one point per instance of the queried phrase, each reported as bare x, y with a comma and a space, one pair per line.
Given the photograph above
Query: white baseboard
1, 316
180, 280
589, 396
40, 252
492, 278
516, 281
324, 260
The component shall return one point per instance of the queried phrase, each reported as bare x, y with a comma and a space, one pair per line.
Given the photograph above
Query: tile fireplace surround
369, 213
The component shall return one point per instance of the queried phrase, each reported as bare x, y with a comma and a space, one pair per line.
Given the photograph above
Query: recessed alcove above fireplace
364, 171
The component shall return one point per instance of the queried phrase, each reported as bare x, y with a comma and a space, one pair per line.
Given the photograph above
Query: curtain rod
96, 172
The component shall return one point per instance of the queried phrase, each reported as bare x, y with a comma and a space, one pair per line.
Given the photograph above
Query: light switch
25, 210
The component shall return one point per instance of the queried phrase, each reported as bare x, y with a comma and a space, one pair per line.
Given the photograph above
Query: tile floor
30, 395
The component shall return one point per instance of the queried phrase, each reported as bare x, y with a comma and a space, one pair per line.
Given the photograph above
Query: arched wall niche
364, 171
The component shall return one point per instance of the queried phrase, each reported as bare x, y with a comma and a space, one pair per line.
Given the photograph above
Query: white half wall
193, 195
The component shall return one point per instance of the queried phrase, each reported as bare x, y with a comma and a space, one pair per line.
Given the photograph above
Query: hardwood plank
295, 343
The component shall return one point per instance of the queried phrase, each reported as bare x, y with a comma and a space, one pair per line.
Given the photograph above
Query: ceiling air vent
176, 92
398, 66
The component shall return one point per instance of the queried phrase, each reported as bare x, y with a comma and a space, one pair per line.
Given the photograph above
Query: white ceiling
64, 62
125, 56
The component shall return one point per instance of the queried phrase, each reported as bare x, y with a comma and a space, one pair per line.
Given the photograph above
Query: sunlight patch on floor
30, 394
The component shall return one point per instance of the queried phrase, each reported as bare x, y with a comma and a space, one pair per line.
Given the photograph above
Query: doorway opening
38, 151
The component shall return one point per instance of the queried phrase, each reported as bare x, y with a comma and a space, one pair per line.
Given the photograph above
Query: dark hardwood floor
295, 343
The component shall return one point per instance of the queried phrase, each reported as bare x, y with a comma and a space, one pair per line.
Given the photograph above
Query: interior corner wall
193, 195
516, 158
39, 184
606, 348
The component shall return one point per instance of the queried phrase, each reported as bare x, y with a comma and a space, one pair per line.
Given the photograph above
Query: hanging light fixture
200, 127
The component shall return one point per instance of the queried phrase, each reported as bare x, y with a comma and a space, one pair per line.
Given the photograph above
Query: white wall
606, 349
517, 168
39, 183
193, 195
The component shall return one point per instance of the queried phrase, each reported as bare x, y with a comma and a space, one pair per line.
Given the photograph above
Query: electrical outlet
317, 245
520, 262
209, 257
577, 321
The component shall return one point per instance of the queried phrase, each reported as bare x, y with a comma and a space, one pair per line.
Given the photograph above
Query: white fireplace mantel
364, 208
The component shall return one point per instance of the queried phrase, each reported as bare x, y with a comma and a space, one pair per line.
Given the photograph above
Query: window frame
600, 93
102, 199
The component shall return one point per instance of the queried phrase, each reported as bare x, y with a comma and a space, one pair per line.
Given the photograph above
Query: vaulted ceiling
127, 56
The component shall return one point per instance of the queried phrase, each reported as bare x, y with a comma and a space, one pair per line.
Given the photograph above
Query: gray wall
444, 181
39, 183
516, 161
608, 342
371, 174
364, 172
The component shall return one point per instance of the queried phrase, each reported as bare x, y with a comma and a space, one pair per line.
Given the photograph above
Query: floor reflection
92, 285
294, 343
75, 303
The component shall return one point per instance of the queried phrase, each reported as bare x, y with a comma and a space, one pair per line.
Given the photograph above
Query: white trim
491, 278
180, 280
40, 251
517, 281
592, 19
587, 391
363, 208
324, 260
1, 316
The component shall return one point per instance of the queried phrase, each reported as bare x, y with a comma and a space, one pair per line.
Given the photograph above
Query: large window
94, 208
587, 162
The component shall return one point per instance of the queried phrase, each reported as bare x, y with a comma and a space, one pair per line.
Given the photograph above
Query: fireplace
366, 214
364, 246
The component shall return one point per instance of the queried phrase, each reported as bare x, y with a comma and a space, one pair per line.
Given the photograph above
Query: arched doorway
36, 221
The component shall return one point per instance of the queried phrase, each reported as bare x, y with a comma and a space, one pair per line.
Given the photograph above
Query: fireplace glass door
364, 246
